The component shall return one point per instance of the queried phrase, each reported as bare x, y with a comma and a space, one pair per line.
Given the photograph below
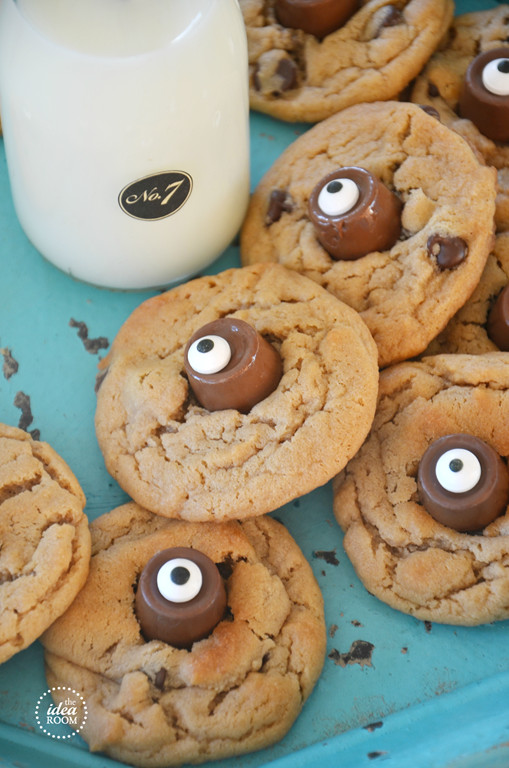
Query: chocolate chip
448, 251
392, 16
430, 110
160, 678
286, 70
279, 202
433, 90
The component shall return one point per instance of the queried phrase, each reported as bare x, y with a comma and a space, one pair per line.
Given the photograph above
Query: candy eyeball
354, 213
338, 196
458, 470
229, 365
209, 354
179, 580
484, 91
463, 482
495, 77
180, 597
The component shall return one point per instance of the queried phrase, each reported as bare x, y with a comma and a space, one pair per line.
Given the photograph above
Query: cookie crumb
360, 653
91, 345
374, 726
328, 556
10, 366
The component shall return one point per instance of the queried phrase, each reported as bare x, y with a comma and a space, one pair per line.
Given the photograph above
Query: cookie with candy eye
311, 58
482, 324
44, 539
467, 82
424, 505
389, 210
219, 391
237, 686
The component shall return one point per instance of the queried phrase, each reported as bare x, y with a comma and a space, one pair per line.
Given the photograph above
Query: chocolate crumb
360, 652
428, 626
10, 366
328, 556
22, 401
91, 345
373, 726
374, 755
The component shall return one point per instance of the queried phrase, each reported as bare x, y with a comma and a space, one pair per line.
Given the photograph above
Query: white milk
98, 95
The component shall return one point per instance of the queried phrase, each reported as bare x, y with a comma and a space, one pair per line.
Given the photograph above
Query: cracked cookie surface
401, 554
238, 690
402, 294
466, 331
295, 76
439, 86
178, 459
44, 539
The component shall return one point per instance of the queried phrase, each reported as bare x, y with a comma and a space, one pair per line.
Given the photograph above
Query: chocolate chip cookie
482, 324
239, 688
304, 69
232, 394
474, 51
44, 539
425, 503
387, 209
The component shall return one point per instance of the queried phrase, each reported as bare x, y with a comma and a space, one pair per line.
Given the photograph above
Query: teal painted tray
394, 691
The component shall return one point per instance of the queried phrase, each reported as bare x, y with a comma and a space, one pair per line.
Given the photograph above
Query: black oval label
156, 196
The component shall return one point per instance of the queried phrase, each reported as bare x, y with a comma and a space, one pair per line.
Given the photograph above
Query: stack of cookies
362, 340
399, 208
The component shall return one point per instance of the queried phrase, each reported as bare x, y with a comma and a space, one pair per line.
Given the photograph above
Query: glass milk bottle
126, 133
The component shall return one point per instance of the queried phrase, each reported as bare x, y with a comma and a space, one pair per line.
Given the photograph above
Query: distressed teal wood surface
394, 691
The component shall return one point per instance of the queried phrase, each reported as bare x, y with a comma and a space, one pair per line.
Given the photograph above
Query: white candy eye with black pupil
210, 354
458, 470
179, 580
495, 77
338, 196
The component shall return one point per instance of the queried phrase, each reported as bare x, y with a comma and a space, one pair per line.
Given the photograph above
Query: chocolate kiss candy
230, 365
354, 213
463, 483
498, 321
180, 597
316, 17
484, 97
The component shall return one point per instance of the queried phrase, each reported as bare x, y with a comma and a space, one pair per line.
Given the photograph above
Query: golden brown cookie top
374, 54
407, 293
401, 552
179, 459
238, 689
45, 542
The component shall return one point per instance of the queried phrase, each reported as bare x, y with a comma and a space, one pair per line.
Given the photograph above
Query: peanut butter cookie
220, 391
389, 210
452, 83
44, 539
301, 70
425, 503
238, 689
